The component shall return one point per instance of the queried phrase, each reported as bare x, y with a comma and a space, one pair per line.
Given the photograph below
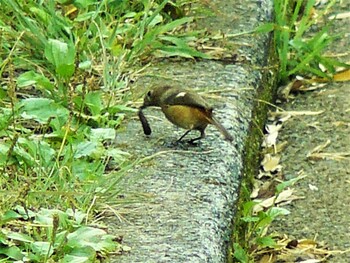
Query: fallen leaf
271, 163
283, 92
296, 113
311, 261
316, 154
340, 16
285, 197
319, 148
268, 258
342, 76
338, 77
313, 187
270, 139
329, 156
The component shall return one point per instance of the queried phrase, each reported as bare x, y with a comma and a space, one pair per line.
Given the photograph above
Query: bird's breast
190, 118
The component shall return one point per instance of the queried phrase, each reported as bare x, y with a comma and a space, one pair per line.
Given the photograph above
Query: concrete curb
191, 192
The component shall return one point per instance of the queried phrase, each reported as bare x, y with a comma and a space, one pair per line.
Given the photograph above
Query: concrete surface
189, 192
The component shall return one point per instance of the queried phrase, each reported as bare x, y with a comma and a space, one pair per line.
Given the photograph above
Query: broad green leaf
78, 215
101, 134
240, 254
93, 101
96, 238
23, 156
85, 64
36, 149
32, 78
86, 149
12, 252
9, 215
40, 14
20, 237
3, 93
25, 213
266, 242
45, 217
60, 238
181, 48
41, 109
87, 170
117, 49
62, 56
151, 35
3, 153
42, 248
80, 255
277, 211
130, 15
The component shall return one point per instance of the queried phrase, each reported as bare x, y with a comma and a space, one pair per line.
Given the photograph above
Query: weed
300, 51
65, 70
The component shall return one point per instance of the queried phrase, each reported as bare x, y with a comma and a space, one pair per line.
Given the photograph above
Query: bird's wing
186, 98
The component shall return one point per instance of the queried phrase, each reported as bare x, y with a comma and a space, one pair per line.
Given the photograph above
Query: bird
183, 108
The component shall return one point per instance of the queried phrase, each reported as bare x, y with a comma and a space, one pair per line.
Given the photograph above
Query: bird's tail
222, 129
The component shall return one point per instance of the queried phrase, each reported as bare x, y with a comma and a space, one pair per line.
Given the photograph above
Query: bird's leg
183, 136
198, 138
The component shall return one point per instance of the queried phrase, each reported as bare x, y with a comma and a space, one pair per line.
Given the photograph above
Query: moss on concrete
265, 95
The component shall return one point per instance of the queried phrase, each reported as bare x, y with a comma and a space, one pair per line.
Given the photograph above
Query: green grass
64, 94
300, 42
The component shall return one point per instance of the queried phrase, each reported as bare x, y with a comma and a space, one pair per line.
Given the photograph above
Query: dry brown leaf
314, 86
272, 133
283, 92
329, 156
307, 243
341, 123
338, 77
311, 261
277, 149
270, 139
263, 174
292, 250
255, 193
313, 187
316, 154
319, 148
342, 76
285, 197
295, 113
267, 189
340, 16
271, 163
268, 258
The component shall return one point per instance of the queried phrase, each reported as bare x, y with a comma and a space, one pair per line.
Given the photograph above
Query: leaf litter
270, 190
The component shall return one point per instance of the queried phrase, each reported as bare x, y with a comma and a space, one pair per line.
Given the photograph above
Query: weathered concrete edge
201, 245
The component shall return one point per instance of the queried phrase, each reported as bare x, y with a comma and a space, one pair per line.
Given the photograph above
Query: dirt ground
324, 213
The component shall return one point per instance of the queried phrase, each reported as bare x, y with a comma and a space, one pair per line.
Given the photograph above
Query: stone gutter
187, 195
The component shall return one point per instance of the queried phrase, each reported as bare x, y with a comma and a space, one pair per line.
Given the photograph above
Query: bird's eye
149, 94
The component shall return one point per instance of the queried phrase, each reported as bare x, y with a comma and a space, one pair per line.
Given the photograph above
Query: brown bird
183, 108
